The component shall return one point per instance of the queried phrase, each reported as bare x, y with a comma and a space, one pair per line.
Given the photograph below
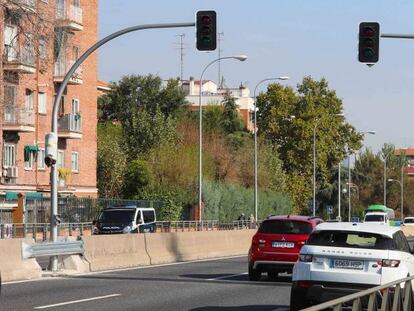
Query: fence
391, 296
41, 231
70, 209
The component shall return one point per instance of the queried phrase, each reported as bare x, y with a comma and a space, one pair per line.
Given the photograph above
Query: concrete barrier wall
131, 250
12, 265
408, 230
105, 252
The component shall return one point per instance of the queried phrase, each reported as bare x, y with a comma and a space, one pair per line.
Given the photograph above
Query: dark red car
276, 245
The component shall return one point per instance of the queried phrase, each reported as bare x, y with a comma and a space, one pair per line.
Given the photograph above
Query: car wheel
298, 299
272, 275
254, 274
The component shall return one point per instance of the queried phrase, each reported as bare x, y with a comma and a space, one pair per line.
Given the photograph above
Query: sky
292, 38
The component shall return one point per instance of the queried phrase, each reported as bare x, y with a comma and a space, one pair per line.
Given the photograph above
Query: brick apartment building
409, 155
33, 67
214, 95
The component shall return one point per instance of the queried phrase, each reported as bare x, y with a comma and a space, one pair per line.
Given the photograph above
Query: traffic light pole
71, 71
396, 36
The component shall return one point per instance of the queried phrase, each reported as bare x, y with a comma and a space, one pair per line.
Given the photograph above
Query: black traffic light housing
206, 30
368, 44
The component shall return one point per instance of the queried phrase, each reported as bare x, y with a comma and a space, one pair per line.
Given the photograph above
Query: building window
61, 159
42, 49
76, 3
29, 100
75, 106
75, 162
29, 161
42, 103
41, 159
9, 155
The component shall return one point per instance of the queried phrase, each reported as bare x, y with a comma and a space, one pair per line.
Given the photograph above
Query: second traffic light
368, 44
206, 30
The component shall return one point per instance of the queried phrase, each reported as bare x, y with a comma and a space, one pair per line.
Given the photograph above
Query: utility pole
181, 55
219, 39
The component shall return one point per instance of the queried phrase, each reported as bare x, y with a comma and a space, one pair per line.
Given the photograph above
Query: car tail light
390, 263
258, 242
302, 242
305, 258
304, 284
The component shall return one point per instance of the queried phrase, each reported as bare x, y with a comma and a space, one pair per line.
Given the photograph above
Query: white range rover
343, 258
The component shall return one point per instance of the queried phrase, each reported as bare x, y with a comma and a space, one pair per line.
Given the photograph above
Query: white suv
343, 258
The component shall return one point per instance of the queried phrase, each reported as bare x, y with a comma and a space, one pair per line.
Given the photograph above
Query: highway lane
217, 285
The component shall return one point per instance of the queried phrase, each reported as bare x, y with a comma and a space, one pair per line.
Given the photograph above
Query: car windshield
117, 216
374, 218
285, 227
409, 221
350, 239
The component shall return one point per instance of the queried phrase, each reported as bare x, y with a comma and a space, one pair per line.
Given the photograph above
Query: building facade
409, 155
213, 95
41, 40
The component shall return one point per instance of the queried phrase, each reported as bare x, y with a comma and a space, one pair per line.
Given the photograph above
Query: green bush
225, 202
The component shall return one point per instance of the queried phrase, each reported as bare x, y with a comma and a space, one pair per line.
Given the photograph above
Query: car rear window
350, 239
409, 220
285, 227
374, 218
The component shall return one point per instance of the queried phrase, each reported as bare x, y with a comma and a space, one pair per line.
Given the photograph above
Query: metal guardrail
208, 225
390, 296
52, 249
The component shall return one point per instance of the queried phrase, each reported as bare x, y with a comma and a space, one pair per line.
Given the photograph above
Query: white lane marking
77, 301
226, 276
125, 269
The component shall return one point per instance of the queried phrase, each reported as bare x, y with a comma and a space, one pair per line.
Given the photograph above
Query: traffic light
368, 44
206, 30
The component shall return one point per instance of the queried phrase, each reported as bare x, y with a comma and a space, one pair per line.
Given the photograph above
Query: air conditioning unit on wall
12, 172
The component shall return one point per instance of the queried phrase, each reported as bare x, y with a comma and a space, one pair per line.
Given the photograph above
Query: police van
125, 219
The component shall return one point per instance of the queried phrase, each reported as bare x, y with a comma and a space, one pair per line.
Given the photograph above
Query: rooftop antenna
181, 48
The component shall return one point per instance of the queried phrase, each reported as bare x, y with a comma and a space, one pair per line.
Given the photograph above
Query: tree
232, 121
313, 104
111, 161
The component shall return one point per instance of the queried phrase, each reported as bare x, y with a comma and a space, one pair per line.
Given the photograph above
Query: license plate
347, 264
283, 244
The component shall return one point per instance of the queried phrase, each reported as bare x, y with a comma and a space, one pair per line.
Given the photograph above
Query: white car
376, 217
343, 258
408, 221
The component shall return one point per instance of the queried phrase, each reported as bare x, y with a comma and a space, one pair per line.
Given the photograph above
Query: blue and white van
125, 219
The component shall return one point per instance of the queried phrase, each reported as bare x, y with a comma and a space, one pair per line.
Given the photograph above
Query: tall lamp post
349, 177
241, 58
314, 162
402, 192
255, 140
385, 157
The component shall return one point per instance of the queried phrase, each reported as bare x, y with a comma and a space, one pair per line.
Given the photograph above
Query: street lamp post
255, 140
314, 163
241, 58
385, 156
402, 193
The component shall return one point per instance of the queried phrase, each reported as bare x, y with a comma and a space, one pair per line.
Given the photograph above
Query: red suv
276, 245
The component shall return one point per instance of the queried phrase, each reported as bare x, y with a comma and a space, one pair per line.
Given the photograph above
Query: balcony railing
70, 14
62, 67
70, 123
19, 58
14, 116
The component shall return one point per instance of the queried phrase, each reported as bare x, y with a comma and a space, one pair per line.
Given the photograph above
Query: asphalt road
217, 285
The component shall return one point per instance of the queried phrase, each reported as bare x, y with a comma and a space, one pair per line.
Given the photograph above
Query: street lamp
241, 58
402, 193
349, 176
255, 139
314, 166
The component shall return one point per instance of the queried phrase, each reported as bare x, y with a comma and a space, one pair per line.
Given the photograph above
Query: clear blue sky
289, 37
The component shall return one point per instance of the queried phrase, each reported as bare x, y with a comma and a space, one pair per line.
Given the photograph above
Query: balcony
70, 126
18, 119
69, 16
62, 67
19, 59
24, 5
